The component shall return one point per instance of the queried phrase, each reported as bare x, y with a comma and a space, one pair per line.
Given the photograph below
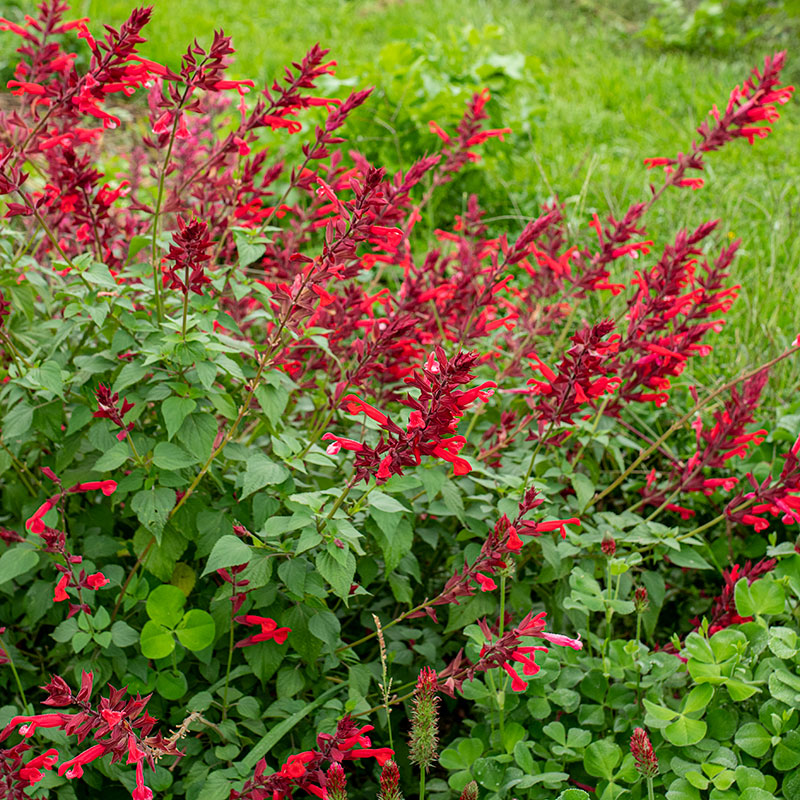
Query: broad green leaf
196, 630
175, 410
16, 561
113, 458
584, 488
782, 642
152, 507
325, 626
123, 635
753, 739
156, 641
171, 685
165, 605
229, 551
17, 421
261, 472
685, 731
601, 758
698, 698
338, 574
172, 456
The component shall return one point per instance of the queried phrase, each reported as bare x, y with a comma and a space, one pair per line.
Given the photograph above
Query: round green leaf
16, 561
753, 739
787, 753
165, 605
171, 685
156, 641
685, 731
601, 758
196, 630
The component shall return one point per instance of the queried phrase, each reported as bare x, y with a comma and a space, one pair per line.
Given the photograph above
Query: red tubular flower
61, 586
269, 630
141, 792
32, 771
96, 581
74, 767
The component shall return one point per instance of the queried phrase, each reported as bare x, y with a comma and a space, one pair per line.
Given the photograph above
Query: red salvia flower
190, 249
108, 408
269, 630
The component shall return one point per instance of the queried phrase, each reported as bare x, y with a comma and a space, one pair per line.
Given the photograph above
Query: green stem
4, 649
650, 793
422, 783
228, 670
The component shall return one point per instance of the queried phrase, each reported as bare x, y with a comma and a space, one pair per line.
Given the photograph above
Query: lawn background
586, 97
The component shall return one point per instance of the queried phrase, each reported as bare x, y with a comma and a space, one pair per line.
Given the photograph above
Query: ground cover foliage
306, 493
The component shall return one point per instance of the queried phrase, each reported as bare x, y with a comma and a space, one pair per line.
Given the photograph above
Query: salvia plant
279, 456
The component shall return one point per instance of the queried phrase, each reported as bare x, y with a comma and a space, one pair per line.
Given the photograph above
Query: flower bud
641, 600
337, 783
390, 782
643, 754
470, 791
608, 545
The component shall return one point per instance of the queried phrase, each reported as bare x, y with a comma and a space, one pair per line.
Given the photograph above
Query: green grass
586, 100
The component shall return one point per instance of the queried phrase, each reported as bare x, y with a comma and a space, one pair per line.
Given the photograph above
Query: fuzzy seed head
424, 720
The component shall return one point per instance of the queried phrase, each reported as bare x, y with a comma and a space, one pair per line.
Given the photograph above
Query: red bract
17, 775
190, 250
643, 754
108, 408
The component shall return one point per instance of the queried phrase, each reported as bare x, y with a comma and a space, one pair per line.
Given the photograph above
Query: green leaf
113, 458
17, 561
248, 250
172, 456
261, 472
278, 732
573, 794
601, 758
385, 502
688, 557
196, 630
123, 635
782, 642
584, 488
152, 507
228, 551
165, 605
197, 435
325, 626
787, 752
698, 698
753, 739
171, 685
175, 410
685, 731
337, 573
156, 641
17, 421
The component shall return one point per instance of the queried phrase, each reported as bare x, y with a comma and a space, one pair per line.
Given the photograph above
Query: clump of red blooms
119, 725
645, 759
504, 650
307, 770
356, 221
431, 428
55, 541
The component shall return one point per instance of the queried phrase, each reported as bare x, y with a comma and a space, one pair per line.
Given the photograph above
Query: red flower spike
269, 630
643, 754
